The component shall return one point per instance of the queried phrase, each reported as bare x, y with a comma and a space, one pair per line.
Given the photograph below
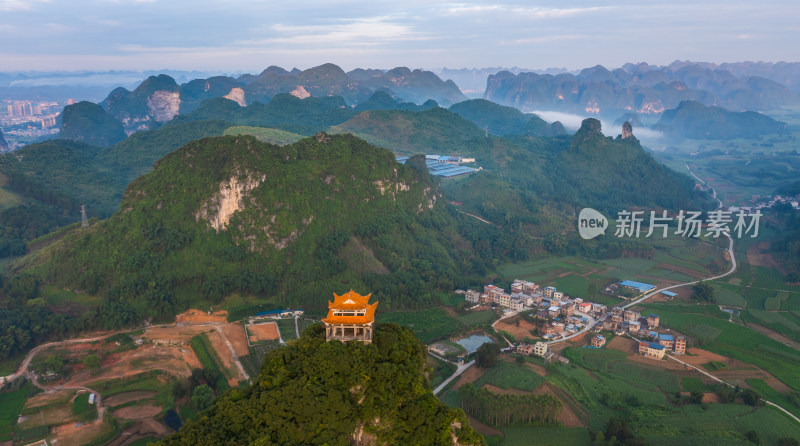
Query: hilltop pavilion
350, 318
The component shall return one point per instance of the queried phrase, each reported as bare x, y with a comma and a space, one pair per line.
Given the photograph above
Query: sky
249, 35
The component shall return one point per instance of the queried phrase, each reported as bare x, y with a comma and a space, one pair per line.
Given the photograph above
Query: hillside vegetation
317, 392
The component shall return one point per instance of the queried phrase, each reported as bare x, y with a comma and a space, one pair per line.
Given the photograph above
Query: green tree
697, 396
520, 360
751, 397
92, 363
486, 356
202, 397
703, 292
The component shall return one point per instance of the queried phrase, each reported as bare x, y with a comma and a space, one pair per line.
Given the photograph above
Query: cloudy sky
249, 35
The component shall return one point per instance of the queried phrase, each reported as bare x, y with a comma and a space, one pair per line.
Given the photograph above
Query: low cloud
572, 123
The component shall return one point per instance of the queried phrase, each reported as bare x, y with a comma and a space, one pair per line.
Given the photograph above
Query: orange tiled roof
351, 301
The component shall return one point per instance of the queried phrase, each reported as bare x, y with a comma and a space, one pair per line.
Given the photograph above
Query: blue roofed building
638, 286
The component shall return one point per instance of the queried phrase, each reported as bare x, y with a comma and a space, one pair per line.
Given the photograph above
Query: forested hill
233, 214
375, 392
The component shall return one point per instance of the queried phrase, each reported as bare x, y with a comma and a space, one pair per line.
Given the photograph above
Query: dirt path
774, 335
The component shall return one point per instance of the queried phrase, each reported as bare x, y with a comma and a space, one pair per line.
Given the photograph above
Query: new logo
591, 223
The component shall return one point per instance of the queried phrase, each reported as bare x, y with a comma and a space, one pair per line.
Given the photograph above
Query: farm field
287, 329
429, 325
722, 337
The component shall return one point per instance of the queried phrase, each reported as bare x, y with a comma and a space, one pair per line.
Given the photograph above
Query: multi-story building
652, 350
540, 349
567, 309
525, 349
523, 286
558, 295
666, 340
630, 315
472, 296
598, 341
548, 292
634, 326
652, 321
680, 345
554, 311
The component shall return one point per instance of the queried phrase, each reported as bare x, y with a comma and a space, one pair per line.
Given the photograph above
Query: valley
224, 212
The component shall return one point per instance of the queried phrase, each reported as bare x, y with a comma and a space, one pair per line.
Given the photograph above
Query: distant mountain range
694, 120
637, 88
159, 98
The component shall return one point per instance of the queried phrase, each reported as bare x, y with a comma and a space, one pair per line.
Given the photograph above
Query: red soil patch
623, 344
520, 332
472, 374
137, 412
235, 334
197, 316
174, 334
224, 354
263, 332
710, 398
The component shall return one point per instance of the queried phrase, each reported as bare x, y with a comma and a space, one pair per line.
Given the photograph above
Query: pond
473, 342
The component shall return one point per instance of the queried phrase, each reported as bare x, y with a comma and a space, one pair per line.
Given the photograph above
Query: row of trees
507, 410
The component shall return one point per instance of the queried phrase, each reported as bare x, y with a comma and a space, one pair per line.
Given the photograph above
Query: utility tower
84, 220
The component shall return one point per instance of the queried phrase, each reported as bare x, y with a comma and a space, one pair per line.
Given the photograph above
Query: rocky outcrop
300, 92
237, 95
627, 130
229, 199
164, 105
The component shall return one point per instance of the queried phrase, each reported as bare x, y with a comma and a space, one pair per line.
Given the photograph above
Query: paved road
506, 316
461, 369
592, 322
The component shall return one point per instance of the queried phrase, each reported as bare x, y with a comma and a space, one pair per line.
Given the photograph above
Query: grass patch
713, 366
770, 394
690, 384
484, 317
11, 403
33, 433
287, 329
440, 370
506, 375
429, 325
82, 409
544, 435
208, 359
265, 134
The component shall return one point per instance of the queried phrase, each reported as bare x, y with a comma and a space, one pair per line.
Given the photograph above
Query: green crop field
287, 329
11, 402
506, 375
82, 409
478, 317
542, 436
205, 354
690, 384
770, 394
733, 340
428, 325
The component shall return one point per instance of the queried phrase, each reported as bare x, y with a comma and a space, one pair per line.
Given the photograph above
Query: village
558, 317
